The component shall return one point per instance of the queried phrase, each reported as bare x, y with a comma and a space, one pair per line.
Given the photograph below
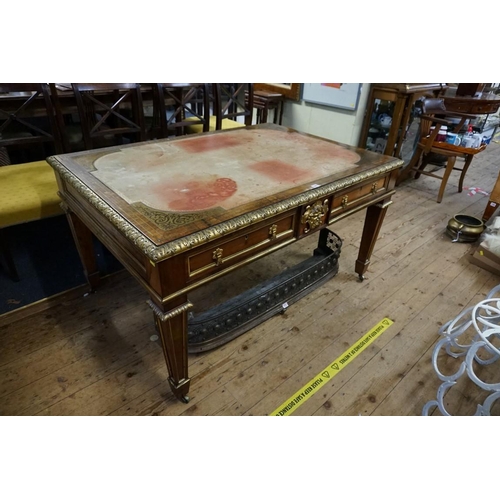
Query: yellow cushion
28, 191
226, 124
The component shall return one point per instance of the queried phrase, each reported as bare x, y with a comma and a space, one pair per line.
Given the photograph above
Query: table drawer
347, 200
472, 107
242, 245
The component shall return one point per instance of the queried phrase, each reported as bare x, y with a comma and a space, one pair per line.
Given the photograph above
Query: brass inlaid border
169, 220
158, 253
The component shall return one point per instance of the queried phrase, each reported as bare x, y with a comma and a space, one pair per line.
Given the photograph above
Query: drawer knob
217, 256
314, 214
272, 232
374, 187
344, 201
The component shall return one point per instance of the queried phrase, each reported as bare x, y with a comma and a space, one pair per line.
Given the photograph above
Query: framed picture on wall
337, 95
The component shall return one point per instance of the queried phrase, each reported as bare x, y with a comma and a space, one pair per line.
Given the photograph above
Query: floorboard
98, 355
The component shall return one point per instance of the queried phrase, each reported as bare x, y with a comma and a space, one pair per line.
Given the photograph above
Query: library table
179, 213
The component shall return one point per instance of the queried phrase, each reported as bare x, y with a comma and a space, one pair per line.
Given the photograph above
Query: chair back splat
28, 126
178, 106
28, 134
110, 113
231, 106
231, 102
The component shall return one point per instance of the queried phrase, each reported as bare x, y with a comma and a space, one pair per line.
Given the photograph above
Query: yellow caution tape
303, 394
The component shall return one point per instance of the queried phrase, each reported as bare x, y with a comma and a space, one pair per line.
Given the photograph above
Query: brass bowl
464, 228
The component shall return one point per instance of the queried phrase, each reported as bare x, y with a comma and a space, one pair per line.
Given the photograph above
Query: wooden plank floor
93, 355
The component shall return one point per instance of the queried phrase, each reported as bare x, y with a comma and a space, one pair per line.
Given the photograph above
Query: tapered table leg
172, 326
373, 222
84, 243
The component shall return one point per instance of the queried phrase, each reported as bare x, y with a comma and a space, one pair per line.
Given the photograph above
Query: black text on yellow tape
302, 395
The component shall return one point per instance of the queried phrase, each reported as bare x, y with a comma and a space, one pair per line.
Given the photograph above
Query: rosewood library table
179, 213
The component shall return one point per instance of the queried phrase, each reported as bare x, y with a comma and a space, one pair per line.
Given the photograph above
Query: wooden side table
264, 101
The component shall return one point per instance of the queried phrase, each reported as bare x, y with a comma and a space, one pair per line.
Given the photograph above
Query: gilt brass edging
170, 314
158, 253
130, 232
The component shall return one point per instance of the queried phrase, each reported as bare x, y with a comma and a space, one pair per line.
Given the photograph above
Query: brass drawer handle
344, 201
217, 256
272, 232
374, 188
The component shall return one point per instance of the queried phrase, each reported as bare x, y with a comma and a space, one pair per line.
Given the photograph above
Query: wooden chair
110, 113
178, 106
28, 120
233, 100
28, 130
434, 114
232, 107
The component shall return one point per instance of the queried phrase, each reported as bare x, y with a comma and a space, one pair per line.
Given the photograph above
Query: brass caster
184, 399
361, 278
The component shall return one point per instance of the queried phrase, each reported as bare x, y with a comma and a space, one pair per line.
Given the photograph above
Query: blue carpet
47, 262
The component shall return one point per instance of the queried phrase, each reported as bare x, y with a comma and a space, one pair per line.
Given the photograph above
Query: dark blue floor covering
47, 262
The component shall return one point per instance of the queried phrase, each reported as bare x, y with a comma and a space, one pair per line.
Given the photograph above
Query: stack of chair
28, 134
32, 128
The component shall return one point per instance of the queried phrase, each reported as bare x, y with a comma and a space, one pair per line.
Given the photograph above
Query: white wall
331, 123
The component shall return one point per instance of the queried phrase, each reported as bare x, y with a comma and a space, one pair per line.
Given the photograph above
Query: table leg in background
493, 201
84, 243
373, 222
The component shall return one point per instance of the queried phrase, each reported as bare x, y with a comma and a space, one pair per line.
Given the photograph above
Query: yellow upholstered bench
28, 192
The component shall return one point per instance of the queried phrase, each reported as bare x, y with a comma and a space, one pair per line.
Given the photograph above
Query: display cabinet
387, 126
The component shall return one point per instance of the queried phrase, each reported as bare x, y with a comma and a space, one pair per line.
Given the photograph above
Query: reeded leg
373, 222
172, 327
84, 243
